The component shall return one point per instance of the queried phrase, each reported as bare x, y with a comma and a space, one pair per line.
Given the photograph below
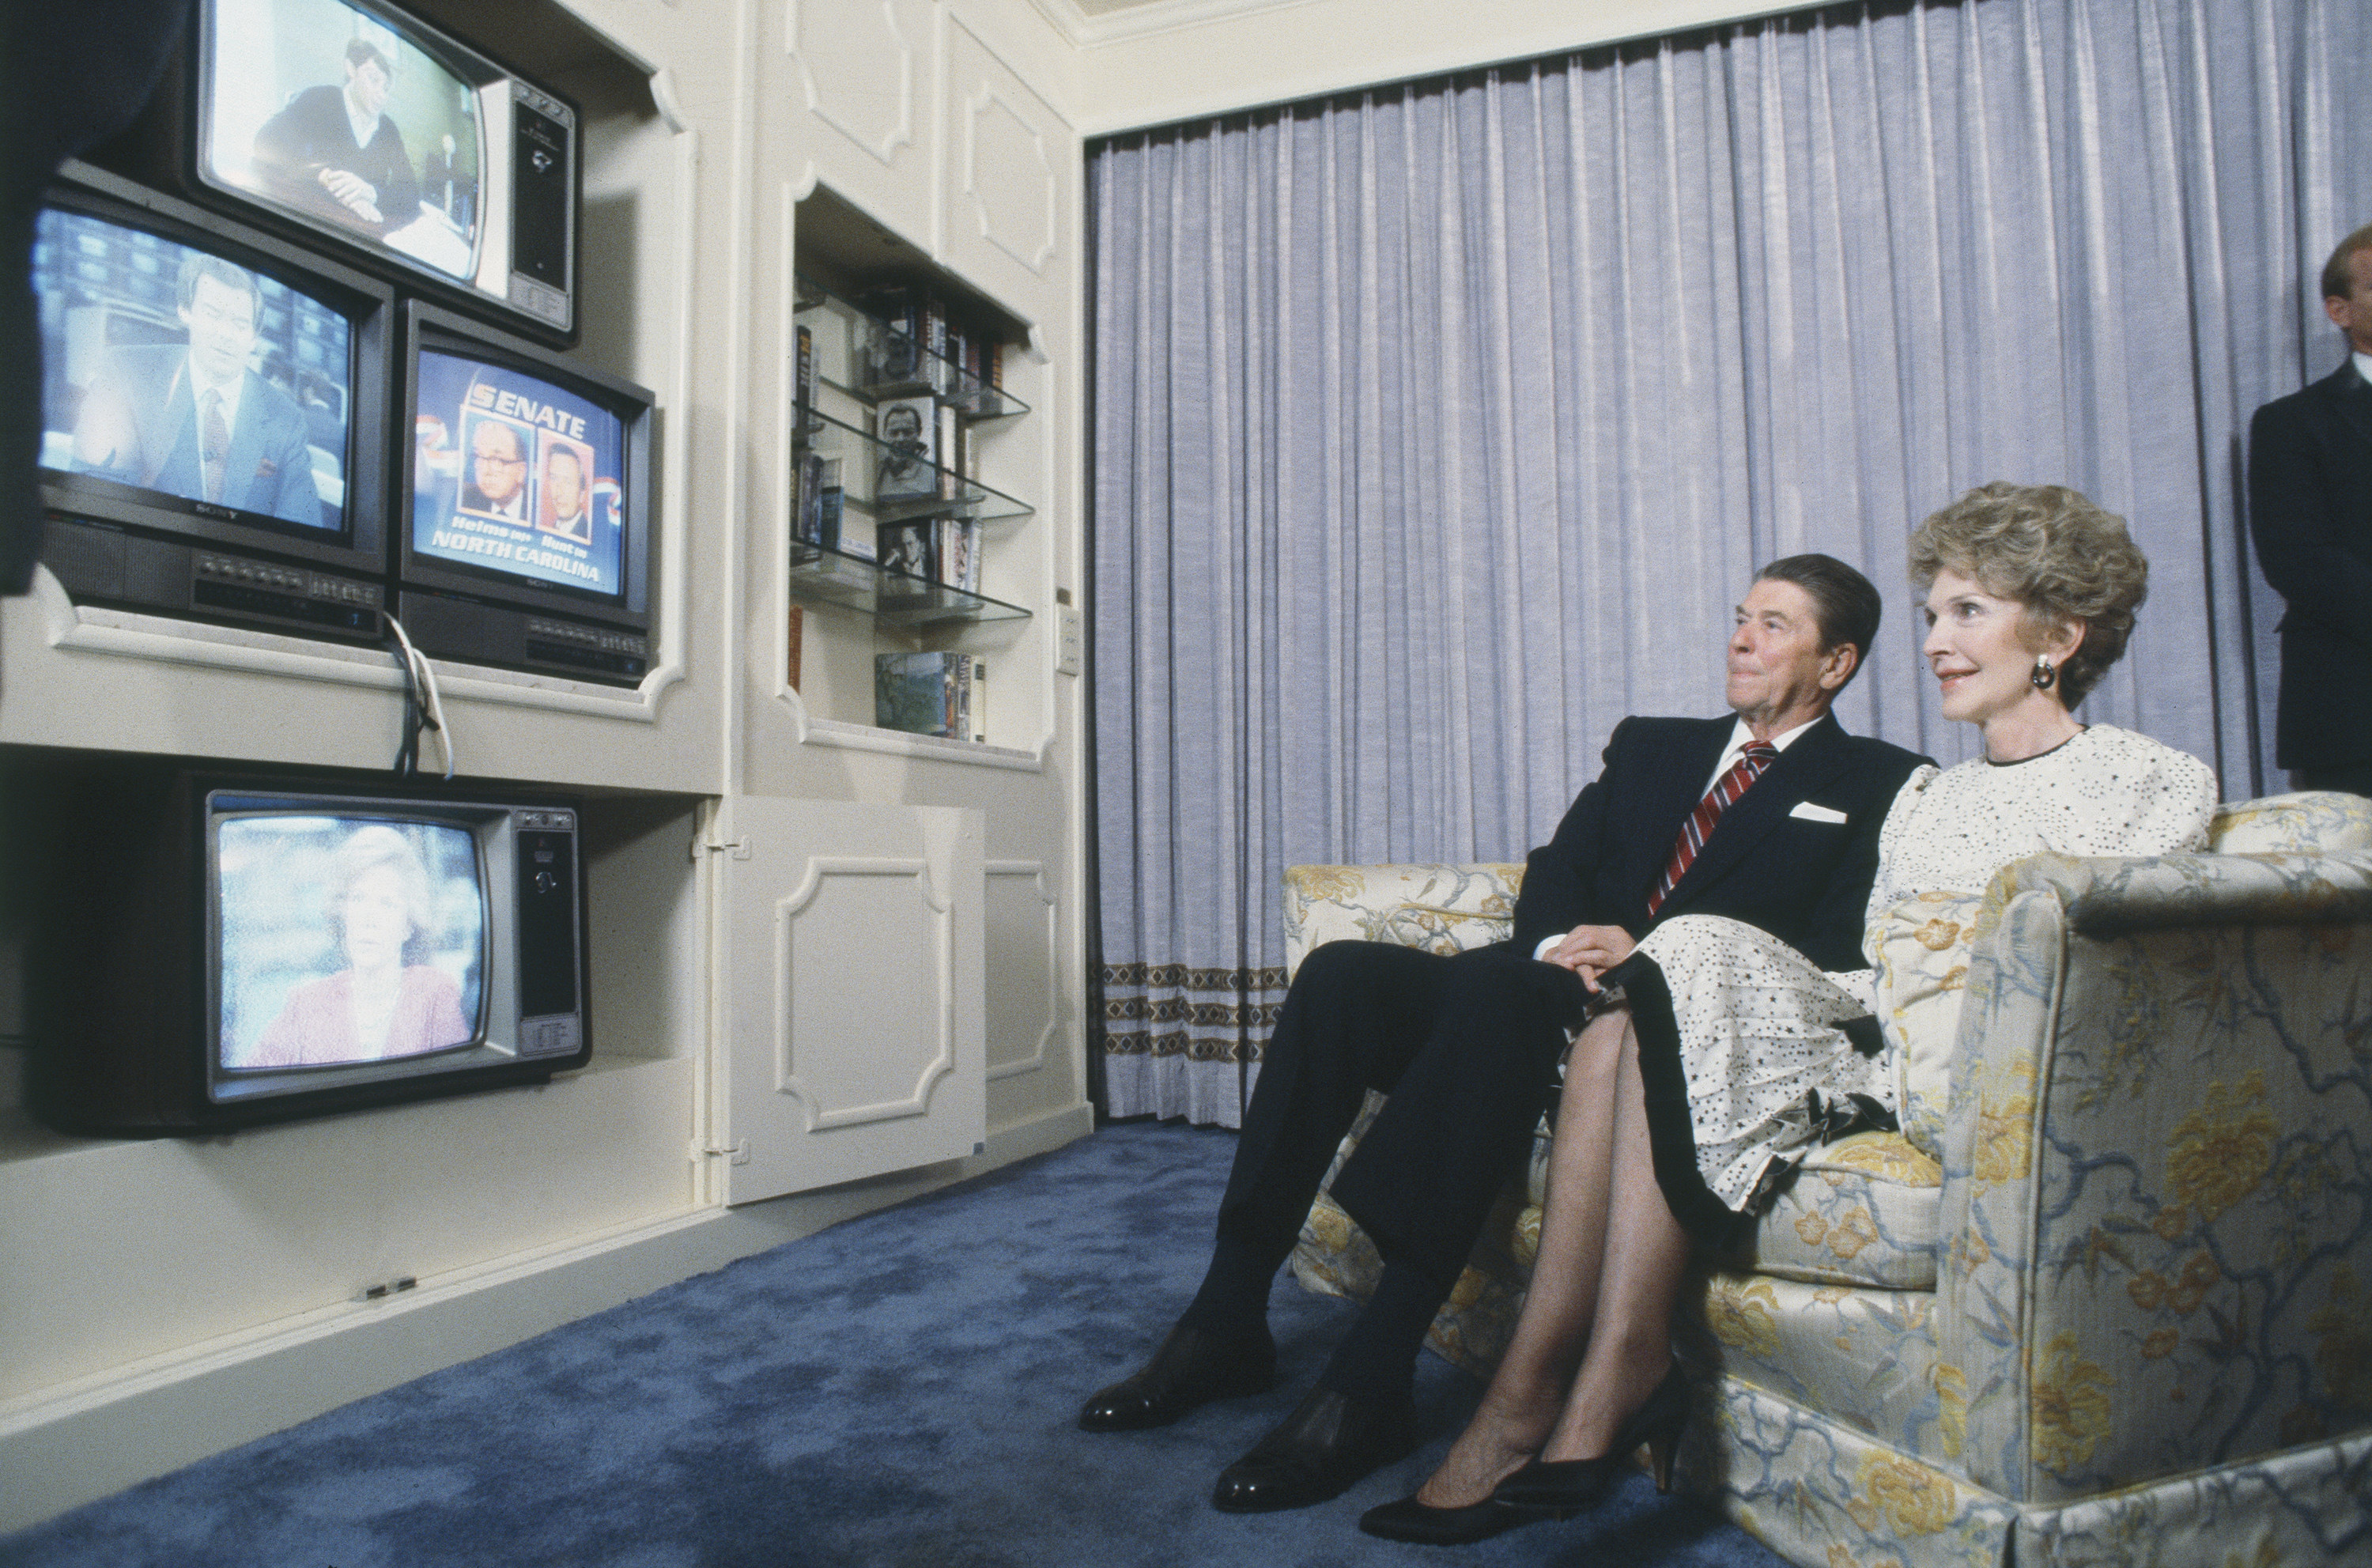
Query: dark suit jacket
268, 468
1805, 881
311, 132
2310, 509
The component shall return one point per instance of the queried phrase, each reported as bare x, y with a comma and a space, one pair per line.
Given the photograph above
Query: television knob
545, 882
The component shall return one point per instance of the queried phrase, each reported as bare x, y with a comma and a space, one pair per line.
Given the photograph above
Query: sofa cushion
1922, 948
1861, 1211
1442, 909
2318, 821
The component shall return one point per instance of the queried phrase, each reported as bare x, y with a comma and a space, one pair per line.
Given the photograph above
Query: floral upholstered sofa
2107, 1298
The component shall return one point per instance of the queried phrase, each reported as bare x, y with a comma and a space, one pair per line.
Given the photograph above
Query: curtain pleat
1440, 426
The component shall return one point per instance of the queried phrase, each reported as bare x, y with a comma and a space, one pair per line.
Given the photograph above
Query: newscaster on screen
183, 374
326, 111
346, 940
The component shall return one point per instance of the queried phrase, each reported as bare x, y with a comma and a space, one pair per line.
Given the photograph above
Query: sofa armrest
2156, 1224
1441, 908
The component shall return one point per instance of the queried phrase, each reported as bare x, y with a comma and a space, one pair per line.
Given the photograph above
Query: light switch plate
1066, 639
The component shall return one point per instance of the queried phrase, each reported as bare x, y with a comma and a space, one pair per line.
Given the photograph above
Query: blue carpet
900, 1390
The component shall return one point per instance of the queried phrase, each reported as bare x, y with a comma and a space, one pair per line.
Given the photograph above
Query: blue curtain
1437, 429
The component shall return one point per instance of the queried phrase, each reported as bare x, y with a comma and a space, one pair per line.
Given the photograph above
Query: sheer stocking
1611, 1264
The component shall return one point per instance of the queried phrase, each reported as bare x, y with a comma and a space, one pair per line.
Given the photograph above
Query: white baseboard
70, 1445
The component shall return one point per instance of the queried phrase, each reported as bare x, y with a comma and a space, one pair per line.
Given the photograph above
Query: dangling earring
2044, 677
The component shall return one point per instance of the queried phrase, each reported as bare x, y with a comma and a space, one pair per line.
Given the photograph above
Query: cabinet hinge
737, 1154
738, 848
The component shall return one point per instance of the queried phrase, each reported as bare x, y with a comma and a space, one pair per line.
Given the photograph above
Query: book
799, 620
828, 529
951, 481
934, 344
910, 547
804, 387
928, 693
807, 507
893, 351
957, 554
980, 701
816, 517
906, 461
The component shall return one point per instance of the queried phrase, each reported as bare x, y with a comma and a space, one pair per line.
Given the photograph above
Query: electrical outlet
1066, 639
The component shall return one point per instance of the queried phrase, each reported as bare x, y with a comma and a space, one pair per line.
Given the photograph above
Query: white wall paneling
851, 981
1025, 1003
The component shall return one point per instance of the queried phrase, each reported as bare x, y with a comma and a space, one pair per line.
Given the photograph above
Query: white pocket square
1811, 813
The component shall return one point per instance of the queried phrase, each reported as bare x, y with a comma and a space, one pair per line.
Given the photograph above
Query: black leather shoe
1192, 1367
1328, 1444
1409, 1520
1568, 1486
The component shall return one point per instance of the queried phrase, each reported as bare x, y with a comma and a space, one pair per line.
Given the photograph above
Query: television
225, 949
526, 494
214, 413
357, 122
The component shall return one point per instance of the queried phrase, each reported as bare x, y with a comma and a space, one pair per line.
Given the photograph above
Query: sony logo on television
208, 510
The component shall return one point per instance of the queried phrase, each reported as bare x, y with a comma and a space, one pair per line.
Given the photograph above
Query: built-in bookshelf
899, 391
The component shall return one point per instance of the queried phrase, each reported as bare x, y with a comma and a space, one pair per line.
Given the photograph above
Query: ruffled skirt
1750, 1056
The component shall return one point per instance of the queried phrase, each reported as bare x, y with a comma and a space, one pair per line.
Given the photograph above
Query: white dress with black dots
1757, 1025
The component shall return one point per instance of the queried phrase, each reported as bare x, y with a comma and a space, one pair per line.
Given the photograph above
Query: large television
217, 949
357, 122
215, 412
526, 494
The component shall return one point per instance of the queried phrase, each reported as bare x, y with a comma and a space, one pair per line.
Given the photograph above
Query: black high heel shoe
1569, 1485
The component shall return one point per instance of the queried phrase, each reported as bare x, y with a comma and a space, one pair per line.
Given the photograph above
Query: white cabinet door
854, 998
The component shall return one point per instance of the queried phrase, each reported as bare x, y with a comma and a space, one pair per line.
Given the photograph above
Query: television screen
239, 948
364, 124
516, 474
324, 109
188, 378
346, 939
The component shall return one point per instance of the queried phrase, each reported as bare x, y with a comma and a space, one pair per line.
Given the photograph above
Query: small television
526, 495
214, 413
227, 949
357, 122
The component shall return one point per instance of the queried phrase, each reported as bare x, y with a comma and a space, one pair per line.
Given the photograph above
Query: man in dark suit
2310, 508
332, 151
497, 483
198, 421
1467, 1046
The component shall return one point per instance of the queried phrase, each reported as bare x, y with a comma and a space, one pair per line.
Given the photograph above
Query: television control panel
551, 1012
99, 564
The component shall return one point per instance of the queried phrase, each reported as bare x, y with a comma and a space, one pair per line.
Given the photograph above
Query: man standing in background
2310, 509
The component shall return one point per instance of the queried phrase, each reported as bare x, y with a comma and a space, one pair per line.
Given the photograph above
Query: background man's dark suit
311, 134
1468, 1043
266, 468
2310, 509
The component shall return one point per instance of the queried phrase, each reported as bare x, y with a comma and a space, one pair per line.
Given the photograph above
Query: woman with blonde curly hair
384, 1003
1717, 1056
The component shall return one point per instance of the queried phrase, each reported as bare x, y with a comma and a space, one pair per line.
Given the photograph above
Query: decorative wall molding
866, 90
1035, 872
939, 919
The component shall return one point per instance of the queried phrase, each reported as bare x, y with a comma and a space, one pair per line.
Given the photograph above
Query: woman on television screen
380, 1004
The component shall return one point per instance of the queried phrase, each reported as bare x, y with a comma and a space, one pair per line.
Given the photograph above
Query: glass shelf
887, 594
871, 360
867, 463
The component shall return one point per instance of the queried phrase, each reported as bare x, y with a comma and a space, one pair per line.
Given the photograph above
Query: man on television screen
197, 421
332, 151
497, 486
565, 494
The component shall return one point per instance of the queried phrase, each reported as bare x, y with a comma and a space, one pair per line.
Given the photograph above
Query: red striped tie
1758, 755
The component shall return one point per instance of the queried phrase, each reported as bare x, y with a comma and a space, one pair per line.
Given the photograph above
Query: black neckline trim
2081, 730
